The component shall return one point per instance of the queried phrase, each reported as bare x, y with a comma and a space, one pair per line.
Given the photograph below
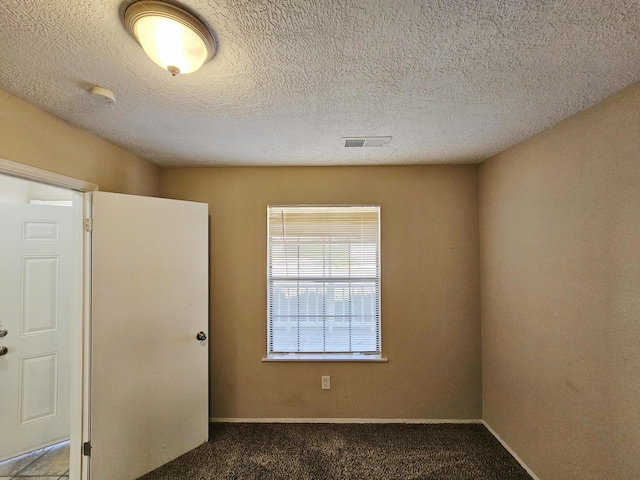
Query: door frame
81, 301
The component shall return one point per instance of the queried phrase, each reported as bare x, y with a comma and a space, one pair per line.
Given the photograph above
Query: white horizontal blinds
324, 279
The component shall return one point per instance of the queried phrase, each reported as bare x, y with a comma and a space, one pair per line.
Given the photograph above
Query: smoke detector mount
102, 94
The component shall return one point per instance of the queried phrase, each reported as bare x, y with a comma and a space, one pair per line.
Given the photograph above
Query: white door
149, 374
35, 319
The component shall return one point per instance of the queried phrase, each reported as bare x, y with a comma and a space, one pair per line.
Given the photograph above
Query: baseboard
343, 420
513, 454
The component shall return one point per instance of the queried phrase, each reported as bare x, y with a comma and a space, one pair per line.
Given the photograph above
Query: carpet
345, 451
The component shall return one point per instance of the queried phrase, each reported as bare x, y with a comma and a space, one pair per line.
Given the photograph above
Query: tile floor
50, 463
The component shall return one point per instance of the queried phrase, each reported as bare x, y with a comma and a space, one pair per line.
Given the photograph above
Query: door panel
149, 382
40, 294
38, 389
35, 309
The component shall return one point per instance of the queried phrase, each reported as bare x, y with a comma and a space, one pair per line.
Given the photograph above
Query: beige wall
430, 292
30, 136
560, 262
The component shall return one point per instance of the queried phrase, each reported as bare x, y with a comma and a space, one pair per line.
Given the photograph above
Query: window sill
286, 357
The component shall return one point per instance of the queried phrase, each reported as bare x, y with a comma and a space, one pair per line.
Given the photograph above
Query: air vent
365, 141
354, 142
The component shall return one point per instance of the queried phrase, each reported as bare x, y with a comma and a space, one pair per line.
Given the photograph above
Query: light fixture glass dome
172, 37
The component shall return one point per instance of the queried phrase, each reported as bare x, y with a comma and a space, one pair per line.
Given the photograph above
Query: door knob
3, 332
201, 336
3, 350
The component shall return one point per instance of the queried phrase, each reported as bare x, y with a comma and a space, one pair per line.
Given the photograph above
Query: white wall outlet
326, 382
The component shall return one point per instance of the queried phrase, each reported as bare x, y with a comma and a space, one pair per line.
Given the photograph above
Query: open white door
149, 372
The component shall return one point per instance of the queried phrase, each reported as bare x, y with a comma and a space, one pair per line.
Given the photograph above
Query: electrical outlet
326, 382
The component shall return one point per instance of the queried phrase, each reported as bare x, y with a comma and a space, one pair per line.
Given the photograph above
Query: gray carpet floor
345, 451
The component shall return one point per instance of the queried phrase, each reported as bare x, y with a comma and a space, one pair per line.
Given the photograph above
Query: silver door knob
3, 350
201, 336
3, 332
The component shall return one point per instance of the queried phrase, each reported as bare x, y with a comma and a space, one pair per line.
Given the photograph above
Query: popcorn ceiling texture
453, 81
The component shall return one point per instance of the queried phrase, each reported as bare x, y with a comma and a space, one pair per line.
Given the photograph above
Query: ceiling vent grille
354, 142
365, 141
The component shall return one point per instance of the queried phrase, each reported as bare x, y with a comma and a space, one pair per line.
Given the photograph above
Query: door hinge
88, 224
86, 449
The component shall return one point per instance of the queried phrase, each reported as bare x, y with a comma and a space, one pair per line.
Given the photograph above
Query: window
323, 277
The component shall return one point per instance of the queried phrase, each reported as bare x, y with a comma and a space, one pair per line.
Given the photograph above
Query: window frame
273, 356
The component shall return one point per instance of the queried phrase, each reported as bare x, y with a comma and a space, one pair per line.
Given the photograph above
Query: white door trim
81, 390
14, 169
80, 332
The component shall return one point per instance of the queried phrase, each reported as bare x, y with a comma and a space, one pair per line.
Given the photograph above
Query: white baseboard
508, 448
343, 420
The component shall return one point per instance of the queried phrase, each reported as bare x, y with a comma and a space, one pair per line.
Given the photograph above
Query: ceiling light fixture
172, 37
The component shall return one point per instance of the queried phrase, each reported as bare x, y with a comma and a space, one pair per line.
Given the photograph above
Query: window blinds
323, 279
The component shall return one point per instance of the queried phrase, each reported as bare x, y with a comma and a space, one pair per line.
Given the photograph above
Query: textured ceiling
452, 81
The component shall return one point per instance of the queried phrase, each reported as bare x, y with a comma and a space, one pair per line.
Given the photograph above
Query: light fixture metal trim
145, 9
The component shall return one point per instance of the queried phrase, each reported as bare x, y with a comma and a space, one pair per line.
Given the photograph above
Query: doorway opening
36, 251
42, 283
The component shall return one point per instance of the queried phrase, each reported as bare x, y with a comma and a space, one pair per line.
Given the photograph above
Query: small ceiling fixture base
173, 38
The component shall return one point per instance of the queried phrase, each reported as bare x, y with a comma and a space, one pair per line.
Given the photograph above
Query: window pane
323, 279
311, 334
284, 334
337, 336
